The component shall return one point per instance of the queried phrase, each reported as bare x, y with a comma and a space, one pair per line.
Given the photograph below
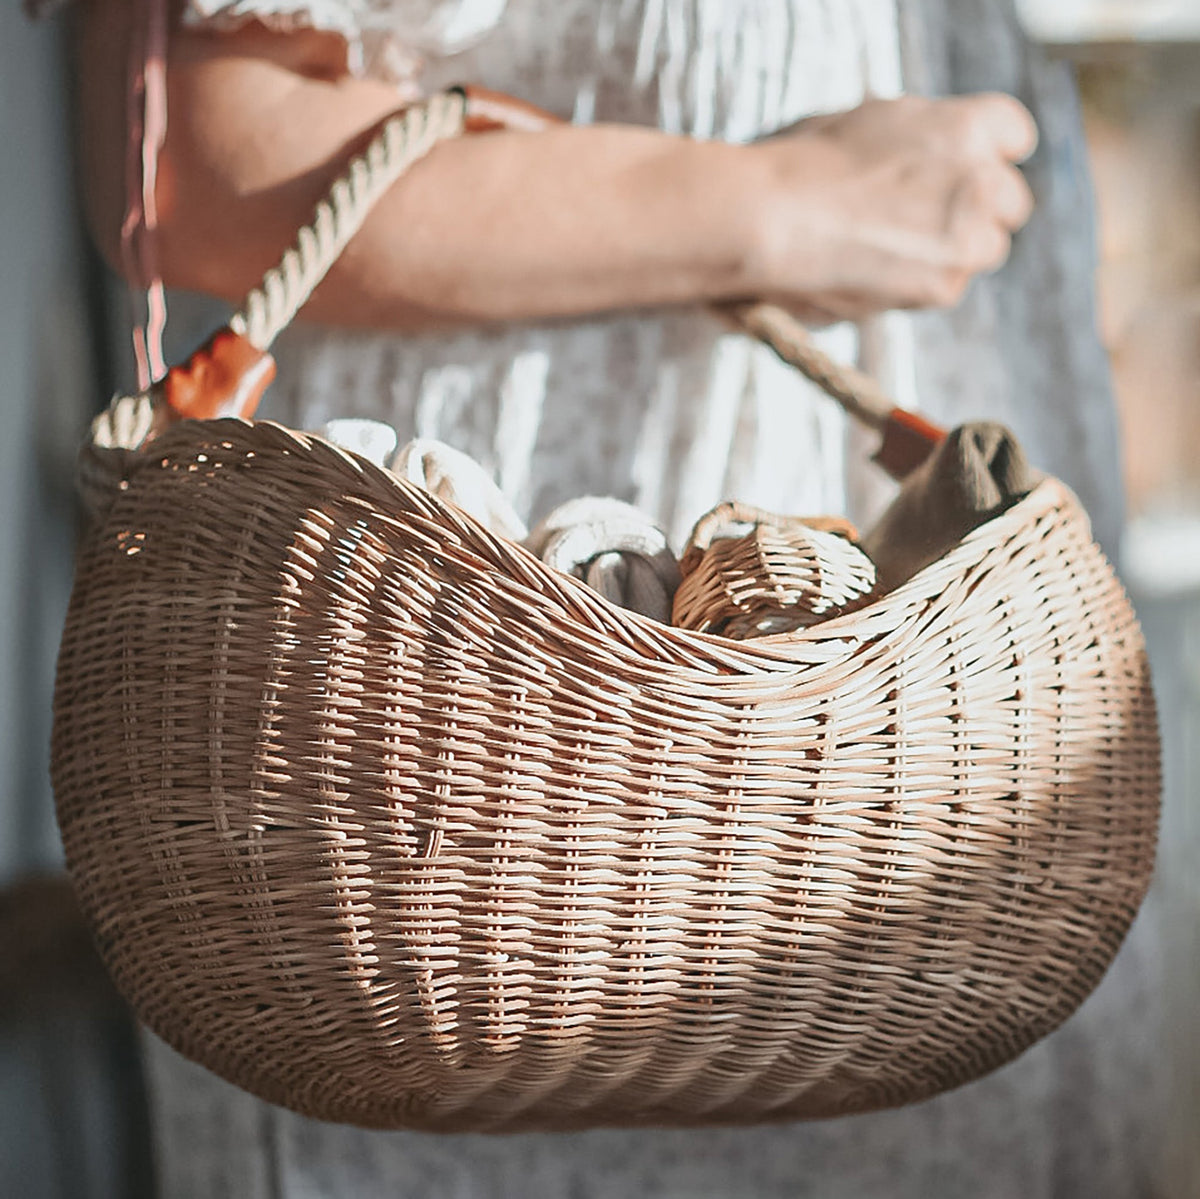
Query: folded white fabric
371, 439
617, 550
457, 478
610, 545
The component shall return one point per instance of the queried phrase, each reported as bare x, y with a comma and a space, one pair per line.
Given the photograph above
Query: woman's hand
895, 204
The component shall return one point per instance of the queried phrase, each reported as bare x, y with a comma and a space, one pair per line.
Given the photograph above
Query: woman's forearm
894, 204
500, 226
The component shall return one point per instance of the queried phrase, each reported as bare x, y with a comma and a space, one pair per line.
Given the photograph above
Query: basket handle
228, 375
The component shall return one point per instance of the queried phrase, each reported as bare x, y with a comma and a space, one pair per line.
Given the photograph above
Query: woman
536, 300
895, 205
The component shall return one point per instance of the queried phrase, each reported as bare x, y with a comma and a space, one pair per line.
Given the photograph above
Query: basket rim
1049, 495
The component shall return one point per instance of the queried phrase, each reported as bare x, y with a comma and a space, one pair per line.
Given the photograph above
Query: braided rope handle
408, 137
859, 394
402, 141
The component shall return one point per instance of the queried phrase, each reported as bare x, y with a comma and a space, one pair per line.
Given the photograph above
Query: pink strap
146, 118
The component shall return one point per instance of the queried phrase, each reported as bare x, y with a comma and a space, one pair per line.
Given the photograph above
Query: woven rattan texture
780, 576
381, 819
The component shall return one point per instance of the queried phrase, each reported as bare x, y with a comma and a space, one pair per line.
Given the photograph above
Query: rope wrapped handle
229, 374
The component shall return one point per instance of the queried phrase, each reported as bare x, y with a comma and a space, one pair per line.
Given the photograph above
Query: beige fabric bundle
374, 440
439, 468
457, 478
617, 550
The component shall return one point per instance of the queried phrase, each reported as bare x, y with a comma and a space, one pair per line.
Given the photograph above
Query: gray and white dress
670, 411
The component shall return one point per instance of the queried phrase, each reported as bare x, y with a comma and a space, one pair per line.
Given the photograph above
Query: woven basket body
379, 818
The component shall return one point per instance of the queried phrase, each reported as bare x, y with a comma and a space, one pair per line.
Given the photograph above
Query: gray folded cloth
617, 550
457, 478
977, 472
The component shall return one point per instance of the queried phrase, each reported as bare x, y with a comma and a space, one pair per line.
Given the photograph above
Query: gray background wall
69, 1106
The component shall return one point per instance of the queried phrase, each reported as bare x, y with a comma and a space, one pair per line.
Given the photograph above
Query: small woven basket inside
747, 573
380, 818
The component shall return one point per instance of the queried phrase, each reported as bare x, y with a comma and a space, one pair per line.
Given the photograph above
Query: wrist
795, 232
706, 218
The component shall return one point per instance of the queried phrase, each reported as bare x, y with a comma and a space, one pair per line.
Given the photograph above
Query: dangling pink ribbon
146, 118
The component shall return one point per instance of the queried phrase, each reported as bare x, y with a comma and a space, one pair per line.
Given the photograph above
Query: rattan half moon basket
380, 818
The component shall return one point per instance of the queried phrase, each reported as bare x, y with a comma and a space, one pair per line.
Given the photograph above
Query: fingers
992, 204
1006, 193
1013, 127
994, 123
985, 248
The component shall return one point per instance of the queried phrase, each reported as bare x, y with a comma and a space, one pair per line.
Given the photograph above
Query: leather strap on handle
490, 112
210, 384
908, 437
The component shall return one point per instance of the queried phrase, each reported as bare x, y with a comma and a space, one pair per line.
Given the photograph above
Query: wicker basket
385, 821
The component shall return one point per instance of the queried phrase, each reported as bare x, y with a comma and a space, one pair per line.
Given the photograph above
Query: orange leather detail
908, 439
225, 377
488, 111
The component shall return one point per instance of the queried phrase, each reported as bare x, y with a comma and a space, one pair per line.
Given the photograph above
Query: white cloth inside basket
617, 550
457, 478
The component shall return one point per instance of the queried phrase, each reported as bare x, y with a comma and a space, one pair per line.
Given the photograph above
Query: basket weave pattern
781, 575
380, 818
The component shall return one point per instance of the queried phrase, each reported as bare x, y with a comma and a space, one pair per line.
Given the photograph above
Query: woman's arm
892, 205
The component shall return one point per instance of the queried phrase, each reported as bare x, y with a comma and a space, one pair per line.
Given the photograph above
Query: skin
896, 204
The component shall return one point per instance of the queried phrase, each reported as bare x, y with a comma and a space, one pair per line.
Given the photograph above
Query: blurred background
73, 1119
